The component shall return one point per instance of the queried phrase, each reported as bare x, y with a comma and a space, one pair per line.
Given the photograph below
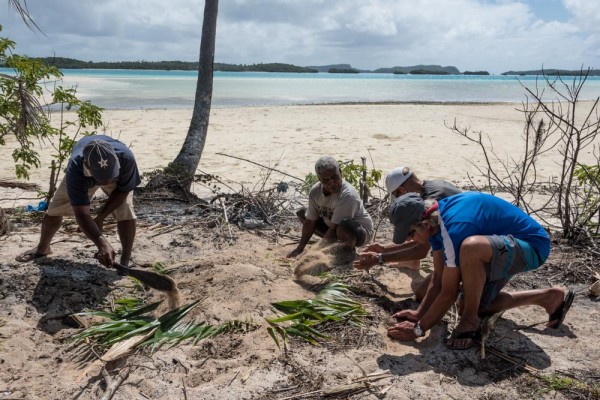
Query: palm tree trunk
186, 162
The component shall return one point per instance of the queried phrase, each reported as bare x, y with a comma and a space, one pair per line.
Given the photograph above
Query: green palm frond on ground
330, 305
132, 318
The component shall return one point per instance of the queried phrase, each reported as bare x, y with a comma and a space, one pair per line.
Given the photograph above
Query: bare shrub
552, 125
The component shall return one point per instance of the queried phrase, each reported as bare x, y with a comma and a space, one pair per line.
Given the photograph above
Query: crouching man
482, 241
335, 211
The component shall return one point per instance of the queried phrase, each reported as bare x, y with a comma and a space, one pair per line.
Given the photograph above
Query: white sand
292, 138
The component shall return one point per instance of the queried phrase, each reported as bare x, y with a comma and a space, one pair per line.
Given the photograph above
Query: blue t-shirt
79, 182
473, 213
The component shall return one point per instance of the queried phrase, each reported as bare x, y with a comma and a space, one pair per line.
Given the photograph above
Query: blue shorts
510, 256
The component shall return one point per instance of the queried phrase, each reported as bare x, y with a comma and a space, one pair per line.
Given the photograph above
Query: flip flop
29, 256
559, 315
473, 335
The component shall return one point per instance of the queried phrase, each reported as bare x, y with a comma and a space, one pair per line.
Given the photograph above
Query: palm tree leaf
331, 305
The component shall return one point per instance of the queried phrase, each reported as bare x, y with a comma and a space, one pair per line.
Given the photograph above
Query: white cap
396, 178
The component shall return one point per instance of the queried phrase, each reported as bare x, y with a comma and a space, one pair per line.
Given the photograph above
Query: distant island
343, 71
552, 71
327, 68
421, 69
475, 73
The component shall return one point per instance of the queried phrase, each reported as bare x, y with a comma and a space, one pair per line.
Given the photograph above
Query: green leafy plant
588, 177
309, 180
301, 317
132, 318
353, 174
160, 268
87, 115
570, 385
588, 174
25, 114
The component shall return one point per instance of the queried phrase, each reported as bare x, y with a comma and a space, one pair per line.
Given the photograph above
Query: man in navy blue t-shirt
482, 241
97, 162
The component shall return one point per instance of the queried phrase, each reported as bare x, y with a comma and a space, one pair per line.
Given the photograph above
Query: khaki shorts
60, 205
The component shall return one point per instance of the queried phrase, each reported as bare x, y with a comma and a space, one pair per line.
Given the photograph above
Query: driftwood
19, 185
343, 391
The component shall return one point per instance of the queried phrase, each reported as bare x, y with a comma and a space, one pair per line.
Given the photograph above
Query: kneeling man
335, 211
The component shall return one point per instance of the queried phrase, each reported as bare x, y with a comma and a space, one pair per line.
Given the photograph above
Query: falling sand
324, 257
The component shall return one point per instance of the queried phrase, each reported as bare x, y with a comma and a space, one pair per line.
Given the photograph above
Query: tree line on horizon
71, 63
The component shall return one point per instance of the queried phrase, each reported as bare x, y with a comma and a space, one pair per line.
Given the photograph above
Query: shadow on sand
67, 287
466, 366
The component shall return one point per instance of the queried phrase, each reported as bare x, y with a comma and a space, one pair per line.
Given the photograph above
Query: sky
472, 35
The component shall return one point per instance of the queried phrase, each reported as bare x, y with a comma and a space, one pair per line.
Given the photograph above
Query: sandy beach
291, 138
238, 273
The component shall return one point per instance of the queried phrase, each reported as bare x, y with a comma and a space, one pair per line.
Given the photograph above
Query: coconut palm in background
185, 164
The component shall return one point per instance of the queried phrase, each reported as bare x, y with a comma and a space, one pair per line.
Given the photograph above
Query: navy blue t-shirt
473, 213
78, 183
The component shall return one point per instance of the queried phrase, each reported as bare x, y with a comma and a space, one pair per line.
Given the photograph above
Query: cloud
495, 35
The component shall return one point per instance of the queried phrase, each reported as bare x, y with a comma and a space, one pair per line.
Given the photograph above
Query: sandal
29, 255
558, 316
472, 335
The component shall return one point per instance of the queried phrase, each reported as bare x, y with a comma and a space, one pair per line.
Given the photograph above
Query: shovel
152, 279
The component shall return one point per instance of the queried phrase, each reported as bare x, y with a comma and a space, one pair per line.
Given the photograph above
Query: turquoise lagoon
136, 89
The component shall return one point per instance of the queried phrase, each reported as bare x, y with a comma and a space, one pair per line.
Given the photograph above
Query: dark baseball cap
405, 211
102, 160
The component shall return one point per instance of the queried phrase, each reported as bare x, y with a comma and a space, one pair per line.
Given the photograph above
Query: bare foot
30, 255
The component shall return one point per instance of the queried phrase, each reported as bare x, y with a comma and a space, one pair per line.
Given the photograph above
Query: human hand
366, 260
407, 315
295, 253
375, 248
403, 331
106, 255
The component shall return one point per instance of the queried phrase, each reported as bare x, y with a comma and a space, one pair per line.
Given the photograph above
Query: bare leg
475, 251
346, 237
50, 225
126, 231
550, 299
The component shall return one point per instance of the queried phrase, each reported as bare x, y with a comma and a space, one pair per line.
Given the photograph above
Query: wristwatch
418, 331
380, 259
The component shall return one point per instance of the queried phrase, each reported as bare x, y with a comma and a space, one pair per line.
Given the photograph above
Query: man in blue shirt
482, 241
97, 162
